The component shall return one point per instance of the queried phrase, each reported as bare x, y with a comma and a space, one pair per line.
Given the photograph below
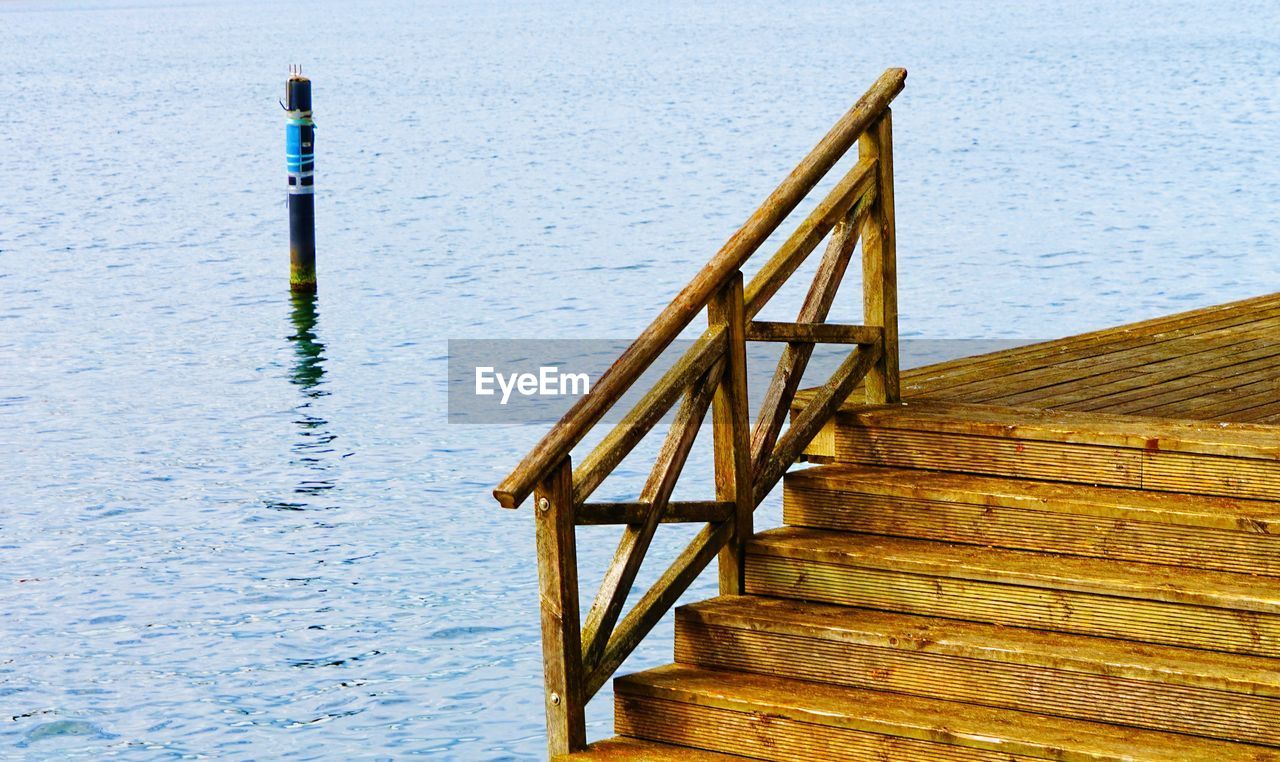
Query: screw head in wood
555, 699
543, 505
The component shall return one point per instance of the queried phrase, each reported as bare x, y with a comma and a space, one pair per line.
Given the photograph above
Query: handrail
856, 189
637, 358
580, 654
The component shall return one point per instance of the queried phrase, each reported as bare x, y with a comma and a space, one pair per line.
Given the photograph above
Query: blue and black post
300, 142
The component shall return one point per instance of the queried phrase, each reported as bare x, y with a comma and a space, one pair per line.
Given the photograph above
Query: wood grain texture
1129, 525
766, 717
621, 749
813, 418
591, 407
1217, 363
678, 512
640, 420
731, 433
813, 333
634, 543
1128, 431
1143, 602
1085, 530
954, 373
657, 601
795, 357
558, 600
1203, 693
1193, 457
879, 263
1131, 581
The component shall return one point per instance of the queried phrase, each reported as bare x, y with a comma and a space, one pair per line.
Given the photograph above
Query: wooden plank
621, 749
1184, 472
1166, 605
1262, 414
1192, 587
760, 731
1178, 690
795, 357
1230, 674
1250, 517
640, 420
1165, 362
1016, 605
950, 375
558, 602
1023, 458
1132, 396
732, 433
1024, 385
591, 407
1210, 404
813, 333
634, 543
1090, 392
1205, 532
657, 601
879, 264
853, 193
1101, 429
678, 512
959, 370
1070, 374
811, 420
1003, 375
773, 718
1205, 458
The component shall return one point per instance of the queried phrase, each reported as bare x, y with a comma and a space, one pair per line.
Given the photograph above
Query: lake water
237, 526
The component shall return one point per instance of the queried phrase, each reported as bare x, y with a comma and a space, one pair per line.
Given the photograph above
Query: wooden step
1204, 693
773, 718
1144, 602
635, 750
1227, 534
1194, 457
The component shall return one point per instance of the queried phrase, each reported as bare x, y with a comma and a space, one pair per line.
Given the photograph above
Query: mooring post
300, 157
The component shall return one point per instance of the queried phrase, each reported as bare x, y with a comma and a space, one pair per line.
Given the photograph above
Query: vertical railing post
558, 598
732, 432
879, 262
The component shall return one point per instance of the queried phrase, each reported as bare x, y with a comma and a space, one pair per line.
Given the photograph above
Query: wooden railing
749, 460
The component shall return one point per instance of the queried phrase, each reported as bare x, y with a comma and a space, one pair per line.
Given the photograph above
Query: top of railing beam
591, 407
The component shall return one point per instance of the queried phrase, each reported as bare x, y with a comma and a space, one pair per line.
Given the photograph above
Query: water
240, 527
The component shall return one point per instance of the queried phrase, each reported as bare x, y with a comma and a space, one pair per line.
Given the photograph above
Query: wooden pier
1065, 551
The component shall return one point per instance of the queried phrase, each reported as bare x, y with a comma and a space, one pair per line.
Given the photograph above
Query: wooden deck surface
1220, 363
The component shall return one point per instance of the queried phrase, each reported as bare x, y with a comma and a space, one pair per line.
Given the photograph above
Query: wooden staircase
956, 581
910, 613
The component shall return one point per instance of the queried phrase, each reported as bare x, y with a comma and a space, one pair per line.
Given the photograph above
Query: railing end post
879, 263
561, 624
506, 499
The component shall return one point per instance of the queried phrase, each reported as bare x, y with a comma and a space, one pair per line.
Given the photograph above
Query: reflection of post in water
314, 448
308, 370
